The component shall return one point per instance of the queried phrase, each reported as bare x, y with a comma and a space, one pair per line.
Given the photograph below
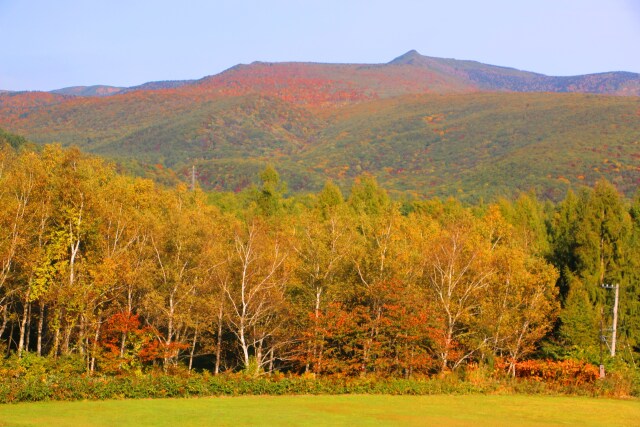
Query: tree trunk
193, 348
67, 339
316, 348
27, 338
23, 326
5, 320
10, 338
169, 330
94, 350
40, 328
245, 347
447, 346
271, 357
123, 343
82, 334
219, 343
56, 342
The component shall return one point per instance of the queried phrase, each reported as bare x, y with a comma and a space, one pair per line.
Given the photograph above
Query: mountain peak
411, 57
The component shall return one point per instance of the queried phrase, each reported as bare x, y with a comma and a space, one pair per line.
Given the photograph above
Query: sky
47, 44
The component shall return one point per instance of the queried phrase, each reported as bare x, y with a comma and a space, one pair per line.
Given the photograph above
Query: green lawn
351, 410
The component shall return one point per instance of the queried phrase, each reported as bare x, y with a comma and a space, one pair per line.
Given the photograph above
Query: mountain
408, 73
101, 90
422, 125
493, 78
165, 84
98, 90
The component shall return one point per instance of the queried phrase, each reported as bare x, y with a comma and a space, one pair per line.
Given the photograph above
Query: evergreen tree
329, 198
579, 327
601, 237
367, 197
269, 198
563, 237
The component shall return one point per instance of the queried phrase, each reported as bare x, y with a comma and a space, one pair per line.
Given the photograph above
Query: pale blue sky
49, 44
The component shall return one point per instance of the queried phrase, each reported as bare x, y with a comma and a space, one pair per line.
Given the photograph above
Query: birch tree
255, 292
457, 271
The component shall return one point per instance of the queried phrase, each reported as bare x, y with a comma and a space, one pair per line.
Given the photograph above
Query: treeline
124, 274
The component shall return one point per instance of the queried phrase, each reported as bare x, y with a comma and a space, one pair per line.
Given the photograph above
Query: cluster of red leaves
117, 325
373, 334
564, 372
126, 342
156, 350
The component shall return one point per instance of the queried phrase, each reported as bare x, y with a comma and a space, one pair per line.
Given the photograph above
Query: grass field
351, 410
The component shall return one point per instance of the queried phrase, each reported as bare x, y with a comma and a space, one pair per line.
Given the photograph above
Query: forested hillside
422, 126
468, 145
124, 274
485, 145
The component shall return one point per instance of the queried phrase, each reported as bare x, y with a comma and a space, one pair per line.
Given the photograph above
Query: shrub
564, 372
544, 379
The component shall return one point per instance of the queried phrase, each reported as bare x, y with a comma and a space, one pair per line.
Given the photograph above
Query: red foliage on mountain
18, 103
318, 84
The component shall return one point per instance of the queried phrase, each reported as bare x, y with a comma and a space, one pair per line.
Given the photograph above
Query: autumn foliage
417, 129
563, 372
127, 276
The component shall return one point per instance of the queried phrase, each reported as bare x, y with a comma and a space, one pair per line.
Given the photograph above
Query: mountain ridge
467, 75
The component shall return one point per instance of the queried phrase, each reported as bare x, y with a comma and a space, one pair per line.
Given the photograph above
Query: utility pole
602, 340
614, 327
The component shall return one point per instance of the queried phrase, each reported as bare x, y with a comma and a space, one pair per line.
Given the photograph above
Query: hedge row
53, 387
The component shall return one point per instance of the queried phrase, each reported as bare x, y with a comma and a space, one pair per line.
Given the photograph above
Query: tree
269, 197
23, 222
579, 329
592, 247
564, 232
254, 285
329, 199
602, 235
521, 299
179, 240
629, 313
457, 271
367, 197
528, 219
322, 245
